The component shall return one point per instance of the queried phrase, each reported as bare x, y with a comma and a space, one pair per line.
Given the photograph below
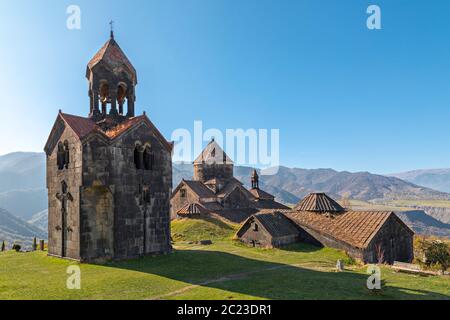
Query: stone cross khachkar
63, 197
340, 266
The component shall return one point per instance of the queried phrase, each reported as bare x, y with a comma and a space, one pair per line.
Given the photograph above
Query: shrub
16, 247
434, 254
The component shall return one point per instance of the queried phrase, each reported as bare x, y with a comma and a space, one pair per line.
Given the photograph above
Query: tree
34, 244
3, 246
438, 253
345, 201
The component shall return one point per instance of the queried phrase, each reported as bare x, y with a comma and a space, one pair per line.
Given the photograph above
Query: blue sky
342, 96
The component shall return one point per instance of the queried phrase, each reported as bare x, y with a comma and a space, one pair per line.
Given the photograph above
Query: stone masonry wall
72, 177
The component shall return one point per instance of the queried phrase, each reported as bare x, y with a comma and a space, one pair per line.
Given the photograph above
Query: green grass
420, 203
202, 229
224, 270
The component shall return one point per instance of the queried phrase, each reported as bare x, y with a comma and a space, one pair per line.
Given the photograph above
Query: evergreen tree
3, 246
34, 244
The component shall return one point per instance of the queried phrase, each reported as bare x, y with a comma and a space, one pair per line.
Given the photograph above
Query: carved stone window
146, 198
60, 156
63, 155
66, 154
148, 158
138, 156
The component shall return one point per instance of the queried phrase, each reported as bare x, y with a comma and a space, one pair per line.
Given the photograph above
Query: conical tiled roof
213, 153
318, 202
113, 56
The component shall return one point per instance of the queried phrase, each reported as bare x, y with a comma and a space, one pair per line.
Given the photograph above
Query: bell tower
112, 81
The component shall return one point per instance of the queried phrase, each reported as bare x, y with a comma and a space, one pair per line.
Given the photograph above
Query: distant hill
358, 185
14, 229
438, 179
424, 224
292, 184
23, 192
24, 203
22, 170
40, 220
22, 183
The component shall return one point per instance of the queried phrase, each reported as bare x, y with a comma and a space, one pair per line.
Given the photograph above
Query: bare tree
380, 253
345, 201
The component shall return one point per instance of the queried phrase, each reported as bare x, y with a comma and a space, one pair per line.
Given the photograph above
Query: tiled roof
80, 125
199, 189
318, 202
270, 204
192, 209
236, 215
123, 126
261, 194
113, 56
276, 224
231, 186
356, 228
84, 126
213, 153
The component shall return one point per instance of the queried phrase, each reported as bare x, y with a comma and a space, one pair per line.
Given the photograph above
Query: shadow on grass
301, 247
237, 274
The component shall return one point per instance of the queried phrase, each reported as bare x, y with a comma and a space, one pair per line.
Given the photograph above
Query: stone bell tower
112, 80
109, 175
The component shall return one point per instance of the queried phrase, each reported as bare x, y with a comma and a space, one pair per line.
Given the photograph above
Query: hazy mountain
22, 183
358, 185
40, 220
22, 170
23, 192
424, 224
24, 203
14, 229
438, 179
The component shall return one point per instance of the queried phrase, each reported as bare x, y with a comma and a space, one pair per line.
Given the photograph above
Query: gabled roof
192, 209
270, 205
275, 223
261, 194
113, 56
231, 186
319, 202
213, 153
356, 228
83, 127
198, 188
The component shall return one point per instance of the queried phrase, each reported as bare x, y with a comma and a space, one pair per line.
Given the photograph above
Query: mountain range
438, 179
23, 193
14, 229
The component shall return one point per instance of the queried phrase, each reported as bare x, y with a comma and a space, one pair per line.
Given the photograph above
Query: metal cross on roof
111, 23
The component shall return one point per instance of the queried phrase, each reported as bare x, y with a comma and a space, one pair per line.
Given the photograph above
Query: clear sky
342, 96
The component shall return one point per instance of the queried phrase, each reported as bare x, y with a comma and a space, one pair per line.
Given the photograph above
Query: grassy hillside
224, 270
202, 229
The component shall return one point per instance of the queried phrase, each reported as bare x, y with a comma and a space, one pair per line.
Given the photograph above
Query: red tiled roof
113, 56
85, 126
80, 125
